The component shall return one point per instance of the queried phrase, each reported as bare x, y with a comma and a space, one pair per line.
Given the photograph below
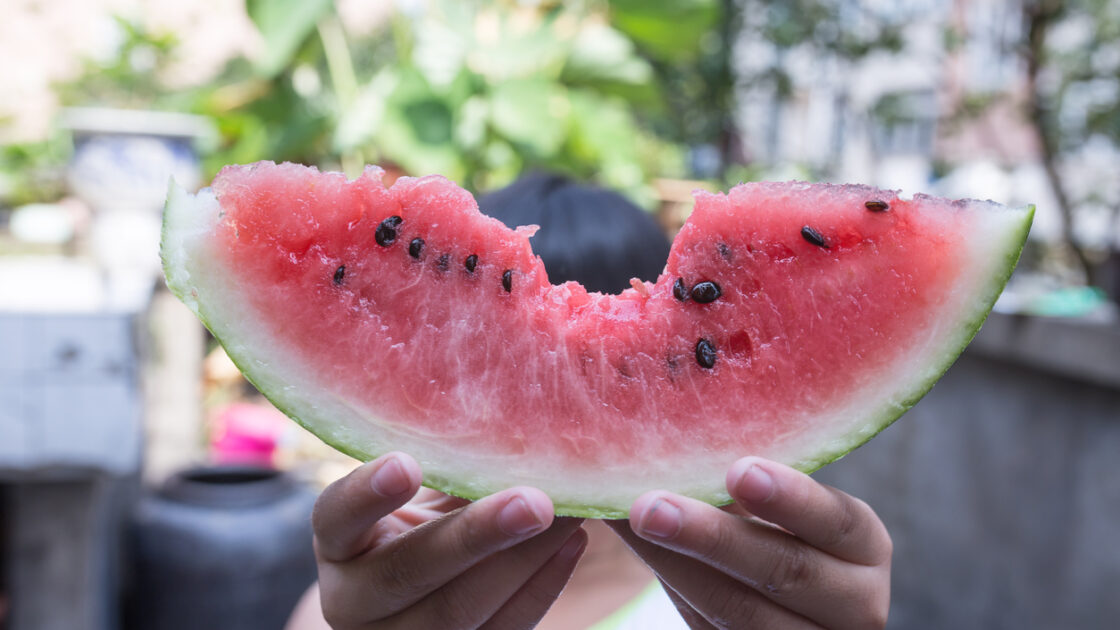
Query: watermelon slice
792, 321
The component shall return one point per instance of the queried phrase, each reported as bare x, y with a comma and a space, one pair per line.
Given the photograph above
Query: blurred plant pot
220, 548
122, 163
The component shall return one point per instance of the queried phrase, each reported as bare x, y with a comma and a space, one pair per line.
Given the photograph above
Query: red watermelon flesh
402, 318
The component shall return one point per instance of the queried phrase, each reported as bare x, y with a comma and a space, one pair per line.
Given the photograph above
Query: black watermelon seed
339, 273
876, 205
443, 262
471, 263
415, 247
724, 251
680, 291
705, 354
507, 280
386, 232
705, 292
813, 236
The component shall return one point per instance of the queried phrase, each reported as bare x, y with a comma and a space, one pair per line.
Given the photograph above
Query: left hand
790, 553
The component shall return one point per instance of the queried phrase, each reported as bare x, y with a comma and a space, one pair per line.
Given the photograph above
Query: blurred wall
1000, 487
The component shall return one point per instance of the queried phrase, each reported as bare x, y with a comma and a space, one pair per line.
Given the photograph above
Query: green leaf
602, 129
502, 163
359, 122
440, 50
671, 30
504, 48
470, 130
601, 53
284, 25
417, 130
531, 113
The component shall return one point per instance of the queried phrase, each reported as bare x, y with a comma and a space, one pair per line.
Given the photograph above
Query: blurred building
944, 114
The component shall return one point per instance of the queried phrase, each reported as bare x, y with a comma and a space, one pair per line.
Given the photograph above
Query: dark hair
591, 235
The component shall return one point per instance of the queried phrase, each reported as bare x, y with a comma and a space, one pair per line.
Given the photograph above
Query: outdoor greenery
476, 91
621, 92
1073, 102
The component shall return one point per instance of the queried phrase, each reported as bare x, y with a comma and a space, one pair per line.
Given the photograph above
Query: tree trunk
1038, 17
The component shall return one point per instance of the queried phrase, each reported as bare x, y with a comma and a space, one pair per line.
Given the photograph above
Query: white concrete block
16, 413
13, 339
79, 347
90, 424
69, 391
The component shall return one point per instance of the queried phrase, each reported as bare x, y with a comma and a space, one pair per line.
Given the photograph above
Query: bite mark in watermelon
793, 321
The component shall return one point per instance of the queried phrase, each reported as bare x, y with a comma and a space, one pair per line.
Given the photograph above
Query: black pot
221, 548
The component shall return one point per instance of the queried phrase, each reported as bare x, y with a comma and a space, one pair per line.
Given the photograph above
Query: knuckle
333, 612
888, 547
335, 621
398, 573
877, 620
718, 541
338, 609
320, 513
535, 597
452, 608
874, 618
881, 545
791, 572
852, 511
466, 541
729, 609
871, 600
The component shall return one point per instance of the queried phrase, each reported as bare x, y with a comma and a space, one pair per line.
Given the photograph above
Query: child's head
591, 235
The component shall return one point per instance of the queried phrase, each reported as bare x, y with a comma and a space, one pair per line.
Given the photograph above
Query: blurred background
127, 436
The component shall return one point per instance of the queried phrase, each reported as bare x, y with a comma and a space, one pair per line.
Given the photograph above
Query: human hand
790, 553
437, 561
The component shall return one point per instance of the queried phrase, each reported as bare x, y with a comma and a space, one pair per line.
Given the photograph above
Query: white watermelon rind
180, 225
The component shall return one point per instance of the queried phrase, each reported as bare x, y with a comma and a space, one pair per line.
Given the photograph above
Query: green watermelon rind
179, 285
969, 330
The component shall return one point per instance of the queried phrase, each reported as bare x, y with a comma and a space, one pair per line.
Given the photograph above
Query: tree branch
1039, 16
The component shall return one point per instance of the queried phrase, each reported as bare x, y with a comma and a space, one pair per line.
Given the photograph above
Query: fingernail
755, 485
390, 479
518, 519
572, 547
661, 520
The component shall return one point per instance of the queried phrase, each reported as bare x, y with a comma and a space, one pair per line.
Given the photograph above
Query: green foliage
606, 90
1085, 67
32, 172
130, 77
284, 25
476, 91
836, 29
669, 30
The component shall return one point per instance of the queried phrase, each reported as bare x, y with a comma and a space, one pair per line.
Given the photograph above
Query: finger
695, 620
347, 510
415, 564
427, 505
824, 517
530, 603
437, 501
721, 600
480, 592
775, 563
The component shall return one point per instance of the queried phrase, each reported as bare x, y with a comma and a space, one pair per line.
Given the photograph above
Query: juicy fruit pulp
793, 321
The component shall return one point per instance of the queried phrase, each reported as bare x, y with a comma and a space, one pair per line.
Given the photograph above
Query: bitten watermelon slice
792, 321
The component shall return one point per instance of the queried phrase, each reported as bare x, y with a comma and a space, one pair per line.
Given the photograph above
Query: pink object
246, 434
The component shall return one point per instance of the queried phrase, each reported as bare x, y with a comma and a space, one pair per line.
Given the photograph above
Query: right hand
392, 558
